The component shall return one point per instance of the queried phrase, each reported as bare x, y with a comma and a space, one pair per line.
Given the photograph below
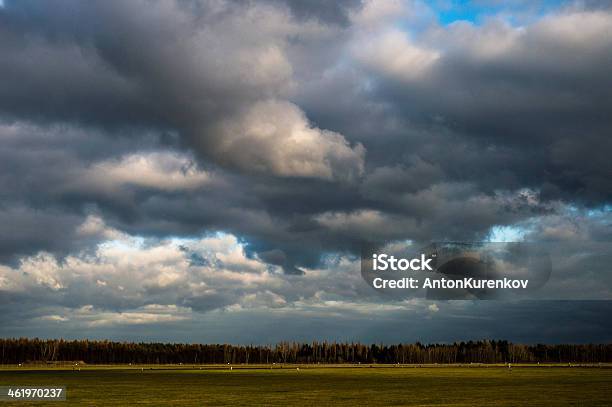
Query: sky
206, 171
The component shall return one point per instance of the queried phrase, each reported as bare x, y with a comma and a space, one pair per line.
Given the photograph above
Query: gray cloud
528, 102
218, 82
303, 129
186, 79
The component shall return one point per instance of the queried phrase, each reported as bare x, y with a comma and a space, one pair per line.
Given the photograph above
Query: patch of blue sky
133, 243
501, 233
515, 12
605, 210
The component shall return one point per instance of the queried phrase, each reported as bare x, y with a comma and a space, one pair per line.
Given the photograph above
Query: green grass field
320, 386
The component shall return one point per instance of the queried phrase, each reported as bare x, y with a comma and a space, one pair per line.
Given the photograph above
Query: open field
378, 385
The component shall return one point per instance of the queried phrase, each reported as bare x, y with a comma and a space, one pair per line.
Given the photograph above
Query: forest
26, 350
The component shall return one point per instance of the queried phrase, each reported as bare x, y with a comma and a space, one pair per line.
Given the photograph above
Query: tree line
23, 350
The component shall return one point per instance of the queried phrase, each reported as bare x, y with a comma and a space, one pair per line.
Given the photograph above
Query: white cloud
374, 12
149, 314
406, 56
483, 43
162, 170
54, 318
276, 137
133, 281
577, 28
392, 54
94, 226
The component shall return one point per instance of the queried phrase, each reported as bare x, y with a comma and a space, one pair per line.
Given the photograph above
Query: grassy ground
414, 386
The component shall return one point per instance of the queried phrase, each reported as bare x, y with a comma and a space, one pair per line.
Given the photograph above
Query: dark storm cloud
302, 129
334, 12
214, 72
524, 106
27, 231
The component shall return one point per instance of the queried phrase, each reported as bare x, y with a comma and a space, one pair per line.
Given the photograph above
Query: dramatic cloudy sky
207, 170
